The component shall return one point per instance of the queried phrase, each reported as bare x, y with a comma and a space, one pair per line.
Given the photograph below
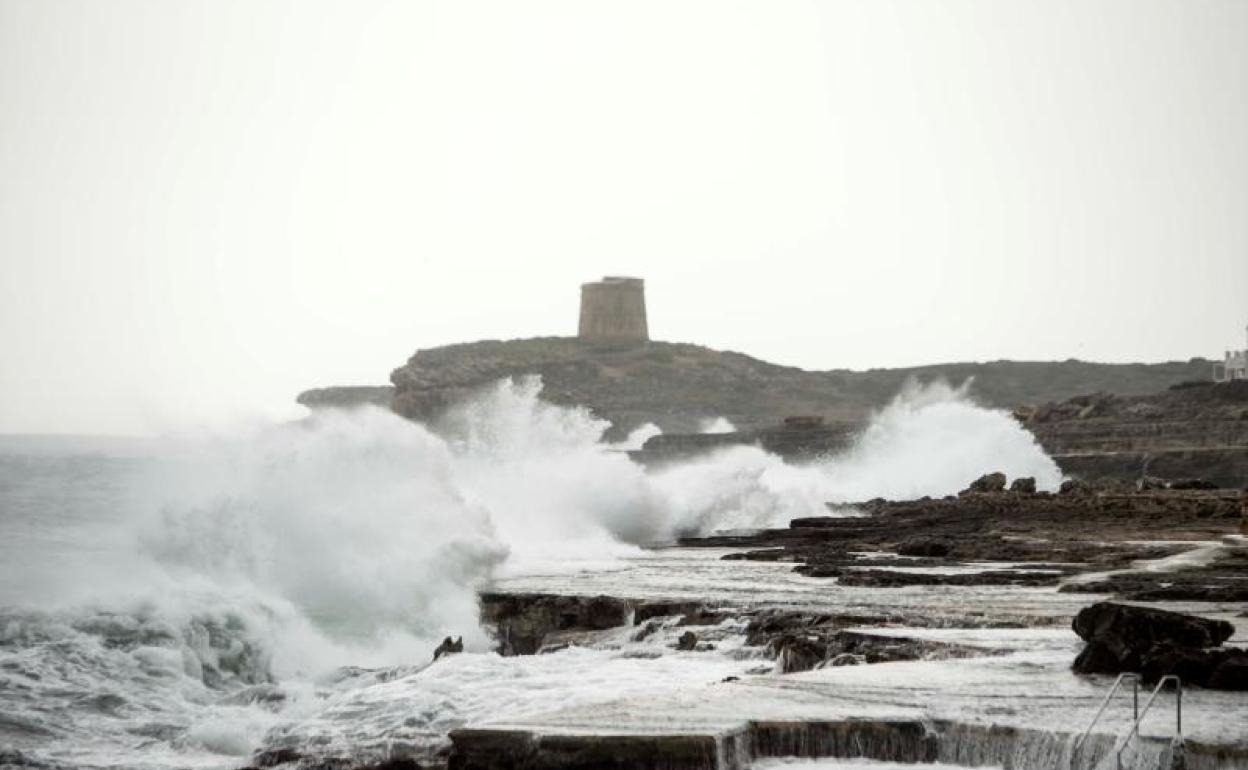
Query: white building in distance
1235, 367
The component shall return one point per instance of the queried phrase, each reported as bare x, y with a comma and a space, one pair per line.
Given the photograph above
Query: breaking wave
201, 595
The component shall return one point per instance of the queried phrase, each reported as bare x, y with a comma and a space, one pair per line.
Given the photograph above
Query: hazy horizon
208, 207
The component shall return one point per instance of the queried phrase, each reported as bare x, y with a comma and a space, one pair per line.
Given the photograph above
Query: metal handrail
1141, 713
1135, 704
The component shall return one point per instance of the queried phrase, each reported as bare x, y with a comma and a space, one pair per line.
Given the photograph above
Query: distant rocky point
346, 396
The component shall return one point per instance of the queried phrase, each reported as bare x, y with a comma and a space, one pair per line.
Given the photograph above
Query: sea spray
716, 425
554, 491
934, 440
930, 440
353, 518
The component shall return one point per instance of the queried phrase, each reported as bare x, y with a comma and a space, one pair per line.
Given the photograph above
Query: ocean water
184, 602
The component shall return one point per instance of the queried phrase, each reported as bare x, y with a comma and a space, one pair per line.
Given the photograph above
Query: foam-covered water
181, 603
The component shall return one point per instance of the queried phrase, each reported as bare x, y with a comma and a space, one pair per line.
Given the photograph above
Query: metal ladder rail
1141, 713
1135, 705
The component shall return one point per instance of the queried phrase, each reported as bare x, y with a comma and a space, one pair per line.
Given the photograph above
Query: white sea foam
930, 440
716, 425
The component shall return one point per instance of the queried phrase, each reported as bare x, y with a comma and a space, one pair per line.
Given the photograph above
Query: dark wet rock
1157, 643
1230, 674
879, 578
396, 763
1138, 628
704, 617
1024, 486
522, 621
648, 629
839, 648
819, 570
1192, 484
1098, 658
502, 749
764, 554
799, 653
989, 482
448, 647
276, 757
1191, 664
303, 762
1106, 528
688, 641
924, 546
657, 609
769, 624
1220, 580
1216, 669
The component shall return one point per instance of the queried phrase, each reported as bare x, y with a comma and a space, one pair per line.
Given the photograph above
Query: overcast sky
206, 207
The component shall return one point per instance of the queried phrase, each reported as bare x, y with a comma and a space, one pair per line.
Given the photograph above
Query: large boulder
1157, 643
521, 622
1139, 628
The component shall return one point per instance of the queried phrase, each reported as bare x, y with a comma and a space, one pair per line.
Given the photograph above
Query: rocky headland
676, 385
1098, 421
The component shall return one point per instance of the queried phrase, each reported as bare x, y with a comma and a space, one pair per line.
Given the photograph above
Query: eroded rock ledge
528, 624
1052, 536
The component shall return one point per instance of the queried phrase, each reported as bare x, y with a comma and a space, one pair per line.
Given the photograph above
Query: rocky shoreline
1153, 515
1048, 537
1108, 542
1102, 540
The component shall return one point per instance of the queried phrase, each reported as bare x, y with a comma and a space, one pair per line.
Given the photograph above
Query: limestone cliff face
675, 385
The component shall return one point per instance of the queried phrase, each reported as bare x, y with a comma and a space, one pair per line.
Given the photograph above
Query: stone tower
614, 310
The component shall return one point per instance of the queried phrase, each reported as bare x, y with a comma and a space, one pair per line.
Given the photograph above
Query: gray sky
206, 207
